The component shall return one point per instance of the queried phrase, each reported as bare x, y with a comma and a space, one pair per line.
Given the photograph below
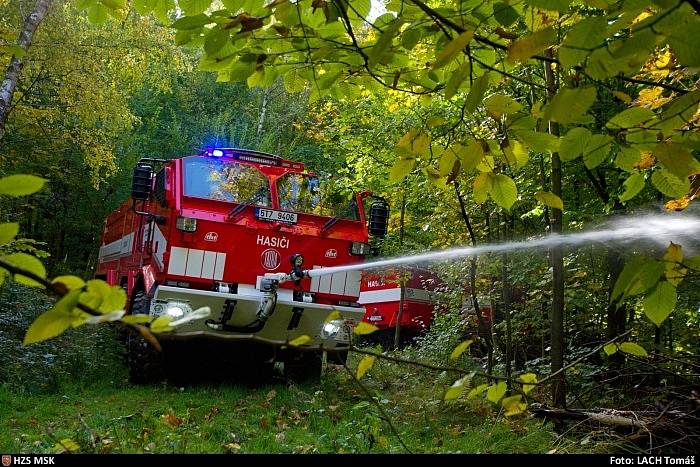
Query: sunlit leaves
500, 104
513, 405
456, 79
527, 46
660, 302
401, 168
610, 349
630, 118
21, 185
162, 324
365, 364
453, 49
673, 257
457, 388
539, 141
549, 199
65, 445
192, 22
574, 143
380, 48
582, 38
570, 104
639, 275
496, 391
8, 231
55, 321
633, 349
459, 350
477, 390
70, 282
528, 378
476, 93
29, 264
669, 184
676, 159
297, 342
364, 328
633, 185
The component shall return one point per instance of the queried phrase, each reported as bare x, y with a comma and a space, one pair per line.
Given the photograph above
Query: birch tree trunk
14, 69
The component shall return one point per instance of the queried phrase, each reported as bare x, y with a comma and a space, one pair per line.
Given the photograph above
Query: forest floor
329, 416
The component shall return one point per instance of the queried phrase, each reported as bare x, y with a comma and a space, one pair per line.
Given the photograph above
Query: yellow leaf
364, 365
136, 319
459, 350
678, 204
364, 328
633, 349
528, 378
549, 199
513, 405
527, 46
610, 349
71, 282
622, 96
64, 445
674, 271
299, 341
27, 263
452, 49
161, 324
335, 314
496, 391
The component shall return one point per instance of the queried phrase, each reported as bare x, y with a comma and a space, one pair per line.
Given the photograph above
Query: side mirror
142, 187
379, 219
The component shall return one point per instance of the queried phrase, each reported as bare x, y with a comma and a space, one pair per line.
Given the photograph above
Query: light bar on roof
258, 159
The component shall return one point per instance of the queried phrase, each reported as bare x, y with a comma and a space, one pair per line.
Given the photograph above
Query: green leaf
434, 176
660, 302
136, 319
574, 143
8, 232
459, 350
162, 324
633, 349
569, 105
669, 184
639, 275
673, 257
528, 378
401, 168
470, 155
482, 186
114, 300
561, 6
496, 391
364, 365
477, 390
549, 199
27, 263
503, 191
538, 141
633, 185
64, 445
364, 329
500, 104
143, 7
676, 159
597, 149
456, 79
379, 49
630, 118
693, 263
215, 39
454, 391
293, 82
476, 93
98, 13
505, 14
55, 321
610, 349
21, 185
71, 282
581, 39
192, 22
194, 7
527, 46
452, 49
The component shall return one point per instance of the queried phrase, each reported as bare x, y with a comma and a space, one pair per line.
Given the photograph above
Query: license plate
276, 216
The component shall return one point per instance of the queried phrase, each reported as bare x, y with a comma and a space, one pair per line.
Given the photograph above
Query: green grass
327, 417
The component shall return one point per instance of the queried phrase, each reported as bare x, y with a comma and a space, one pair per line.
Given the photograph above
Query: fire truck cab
235, 230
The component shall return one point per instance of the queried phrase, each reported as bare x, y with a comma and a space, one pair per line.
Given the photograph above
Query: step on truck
237, 231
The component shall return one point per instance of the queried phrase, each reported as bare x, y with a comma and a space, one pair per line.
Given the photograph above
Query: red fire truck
380, 294
236, 231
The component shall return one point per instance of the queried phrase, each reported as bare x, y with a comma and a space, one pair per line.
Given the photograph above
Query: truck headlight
177, 309
331, 328
186, 224
359, 249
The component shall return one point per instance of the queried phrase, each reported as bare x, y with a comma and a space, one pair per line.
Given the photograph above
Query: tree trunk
263, 114
557, 259
14, 69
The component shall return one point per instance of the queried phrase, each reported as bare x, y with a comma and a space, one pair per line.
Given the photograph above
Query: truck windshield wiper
334, 220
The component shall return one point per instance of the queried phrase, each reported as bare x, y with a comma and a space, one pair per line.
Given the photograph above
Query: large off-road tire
144, 361
338, 358
301, 367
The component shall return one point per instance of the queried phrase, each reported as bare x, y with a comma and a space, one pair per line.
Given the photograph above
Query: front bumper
276, 330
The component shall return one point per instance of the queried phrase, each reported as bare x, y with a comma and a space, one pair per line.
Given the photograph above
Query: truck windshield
225, 180
305, 193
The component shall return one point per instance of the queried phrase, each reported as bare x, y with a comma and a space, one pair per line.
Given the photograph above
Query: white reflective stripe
324, 284
315, 281
178, 261
338, 283
194, 263
160, 244
116, 249
208, 265
352, 283
377, 296
219, 268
